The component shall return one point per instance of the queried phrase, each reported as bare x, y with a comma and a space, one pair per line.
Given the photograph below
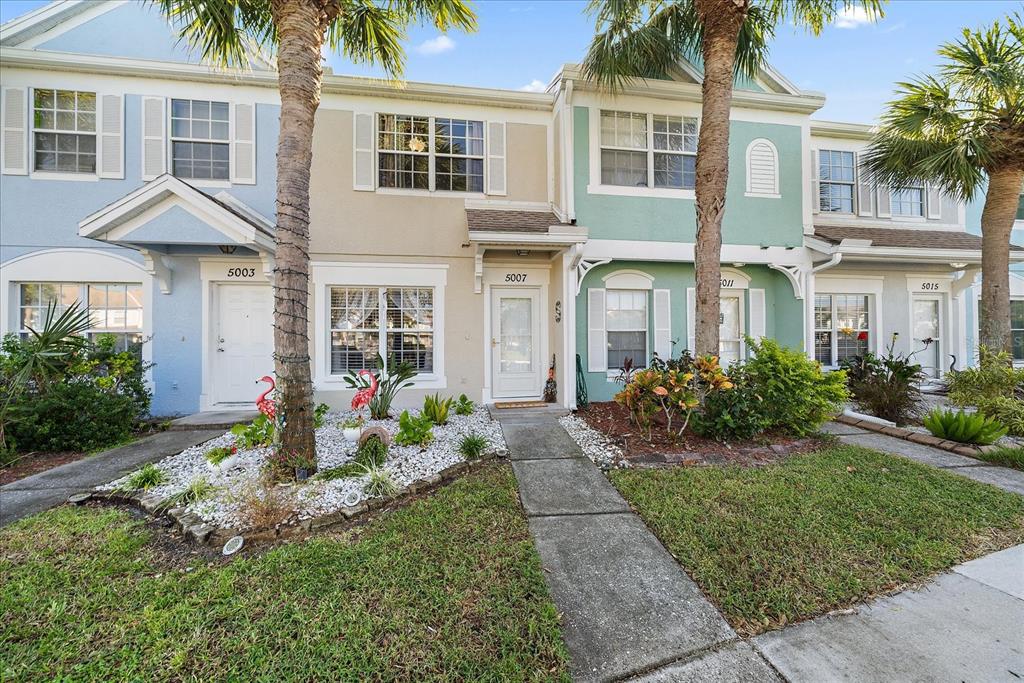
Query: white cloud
852, 17
436, 46
535, 86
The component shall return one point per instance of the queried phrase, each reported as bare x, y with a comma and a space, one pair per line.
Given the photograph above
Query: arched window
762, 169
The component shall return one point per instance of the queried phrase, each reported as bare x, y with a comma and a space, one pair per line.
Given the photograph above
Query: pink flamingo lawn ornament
366, 394
265, 405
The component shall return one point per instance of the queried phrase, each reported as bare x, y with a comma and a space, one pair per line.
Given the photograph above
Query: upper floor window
64, 130
427, 153
908, 201
114, 308
836, 181
200, 142
637, 149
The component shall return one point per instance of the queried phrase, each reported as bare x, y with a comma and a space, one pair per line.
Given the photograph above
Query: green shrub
796, 395
464, 406
257, 434
962, 427
379, 482
735, 414
143, 479
1007, 411
993, 377
319, 413
70, 416
436, 408
472, 446
671, 394
373, 451
414, 431
398, 377
885, 386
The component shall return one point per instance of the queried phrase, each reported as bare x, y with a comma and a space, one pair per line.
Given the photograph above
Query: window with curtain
428, 153
841, 327
114, 308
391, 321
626, 327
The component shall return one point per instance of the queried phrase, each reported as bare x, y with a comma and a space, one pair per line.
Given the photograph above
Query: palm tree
958, 129
645, 38
362, 30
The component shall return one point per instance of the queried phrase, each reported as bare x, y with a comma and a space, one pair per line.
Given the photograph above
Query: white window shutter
597, 336
154, 137
757, 314
865, 195
243, 145
884, 201
663, 323
933, 198
815, 182
496, 180
363, 166
111, 137
15, 131
762, 168
691, 319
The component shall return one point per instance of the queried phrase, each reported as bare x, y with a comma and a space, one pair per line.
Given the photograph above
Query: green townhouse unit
478, 233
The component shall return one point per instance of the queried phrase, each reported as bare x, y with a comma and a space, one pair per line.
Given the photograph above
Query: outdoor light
227, 248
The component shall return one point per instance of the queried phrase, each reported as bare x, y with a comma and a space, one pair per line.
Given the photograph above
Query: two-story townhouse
142, 183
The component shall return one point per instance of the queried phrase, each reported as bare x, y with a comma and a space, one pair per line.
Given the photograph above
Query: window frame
895, 202
650, 151
383, 330
33, 130
834, 330
172, 138
638, 364
431, 154
852, 183
1020, 301
84, 291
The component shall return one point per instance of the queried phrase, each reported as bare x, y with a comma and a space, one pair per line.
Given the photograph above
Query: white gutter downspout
809, 291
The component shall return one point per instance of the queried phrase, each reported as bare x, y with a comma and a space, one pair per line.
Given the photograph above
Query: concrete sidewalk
44, 490
627, 607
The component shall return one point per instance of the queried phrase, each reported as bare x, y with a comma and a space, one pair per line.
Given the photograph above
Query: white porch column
809, 291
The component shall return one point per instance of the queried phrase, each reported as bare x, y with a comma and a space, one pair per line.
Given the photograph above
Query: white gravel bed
317, 497
593, 443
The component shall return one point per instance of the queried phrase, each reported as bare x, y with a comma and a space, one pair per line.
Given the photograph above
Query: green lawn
448, 588
813, 533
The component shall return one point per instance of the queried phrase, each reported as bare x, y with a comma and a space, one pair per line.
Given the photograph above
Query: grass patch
1006, 456
776, 544
449, 587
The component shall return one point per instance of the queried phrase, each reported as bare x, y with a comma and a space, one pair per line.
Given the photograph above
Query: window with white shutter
154, 137
14, 141
111, 148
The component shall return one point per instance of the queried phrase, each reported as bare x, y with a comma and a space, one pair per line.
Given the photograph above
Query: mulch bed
613, 421
33, 463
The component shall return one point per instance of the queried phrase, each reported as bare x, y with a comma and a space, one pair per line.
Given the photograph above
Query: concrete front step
219, 419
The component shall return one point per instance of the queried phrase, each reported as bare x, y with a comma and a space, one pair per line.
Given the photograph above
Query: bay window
842, 327
114, 308
428, 153
648, 150
64, 130
626, 325
390, 321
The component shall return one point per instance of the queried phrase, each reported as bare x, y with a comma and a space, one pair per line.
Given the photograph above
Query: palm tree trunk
997, 218
722, 22
300, 26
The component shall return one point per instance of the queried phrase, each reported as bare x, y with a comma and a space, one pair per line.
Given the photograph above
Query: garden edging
194, 528
916, 437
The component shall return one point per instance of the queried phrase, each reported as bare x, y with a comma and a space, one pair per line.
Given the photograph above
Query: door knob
220, 350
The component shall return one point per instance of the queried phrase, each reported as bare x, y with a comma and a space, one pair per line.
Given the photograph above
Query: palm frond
224, 31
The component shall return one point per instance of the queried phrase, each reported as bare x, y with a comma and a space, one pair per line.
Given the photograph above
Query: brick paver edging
195, 529
917, 437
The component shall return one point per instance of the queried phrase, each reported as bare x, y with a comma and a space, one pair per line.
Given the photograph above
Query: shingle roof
902, 237
499, 220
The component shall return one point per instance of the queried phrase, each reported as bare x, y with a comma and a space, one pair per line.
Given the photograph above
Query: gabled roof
226, 220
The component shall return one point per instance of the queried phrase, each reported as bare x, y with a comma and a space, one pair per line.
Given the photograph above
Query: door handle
494, 342
220, 350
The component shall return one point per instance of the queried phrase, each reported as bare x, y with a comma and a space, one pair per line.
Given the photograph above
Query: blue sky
523, 42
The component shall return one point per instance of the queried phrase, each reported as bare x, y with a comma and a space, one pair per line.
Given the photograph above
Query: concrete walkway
627, 607
44, 490
1002, 477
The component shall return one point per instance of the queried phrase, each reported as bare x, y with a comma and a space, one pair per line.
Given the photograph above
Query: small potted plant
298, 465
352, 428
222, 458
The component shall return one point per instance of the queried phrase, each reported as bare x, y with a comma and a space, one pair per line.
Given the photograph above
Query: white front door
927, 326
243, 342
516, 367
730, 329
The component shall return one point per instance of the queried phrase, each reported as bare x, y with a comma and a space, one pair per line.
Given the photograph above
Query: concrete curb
916, 437
195, 529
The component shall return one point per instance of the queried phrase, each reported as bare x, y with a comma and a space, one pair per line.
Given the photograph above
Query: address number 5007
515, 277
